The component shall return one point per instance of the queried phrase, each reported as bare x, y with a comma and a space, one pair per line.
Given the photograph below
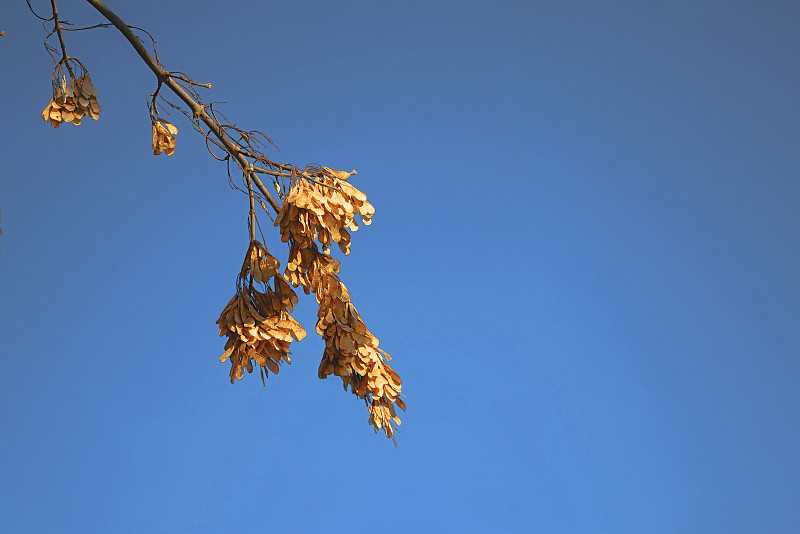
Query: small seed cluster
308, 268
163, 137
320, 212
257, 324
72, 102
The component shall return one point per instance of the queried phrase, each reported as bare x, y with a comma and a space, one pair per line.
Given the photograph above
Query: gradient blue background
584, 261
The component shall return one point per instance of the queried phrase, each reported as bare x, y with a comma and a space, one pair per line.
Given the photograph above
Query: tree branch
198, 110
57, 29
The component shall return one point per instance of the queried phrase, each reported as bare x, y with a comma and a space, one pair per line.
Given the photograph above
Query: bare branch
197, 109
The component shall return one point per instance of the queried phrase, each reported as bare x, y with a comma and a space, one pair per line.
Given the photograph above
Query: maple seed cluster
257, 324
352, 353
163, 137
72, 102
320, 211
324, 211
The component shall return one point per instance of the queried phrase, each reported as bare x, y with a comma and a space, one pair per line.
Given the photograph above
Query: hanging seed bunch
163, 137
321, 211
74, 99
257, 323
352, 353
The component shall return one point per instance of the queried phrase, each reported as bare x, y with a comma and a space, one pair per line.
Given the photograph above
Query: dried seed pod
163, 137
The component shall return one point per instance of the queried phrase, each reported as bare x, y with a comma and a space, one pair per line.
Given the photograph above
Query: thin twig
252, 218
38, 16
279, 174
103, 25
57, 28
188, 80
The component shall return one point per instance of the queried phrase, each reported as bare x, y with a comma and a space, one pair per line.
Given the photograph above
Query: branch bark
164, 77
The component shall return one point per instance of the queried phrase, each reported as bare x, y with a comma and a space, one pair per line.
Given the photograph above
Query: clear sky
584, 262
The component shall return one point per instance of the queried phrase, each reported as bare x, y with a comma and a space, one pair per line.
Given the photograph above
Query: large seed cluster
72, 102
321, 212
257, 324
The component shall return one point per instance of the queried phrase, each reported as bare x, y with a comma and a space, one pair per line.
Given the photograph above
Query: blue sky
584, 262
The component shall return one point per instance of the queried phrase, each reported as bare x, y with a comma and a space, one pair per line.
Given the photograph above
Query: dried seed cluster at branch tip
321, 212
72, 102
324, 211
163, 137
257, 324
